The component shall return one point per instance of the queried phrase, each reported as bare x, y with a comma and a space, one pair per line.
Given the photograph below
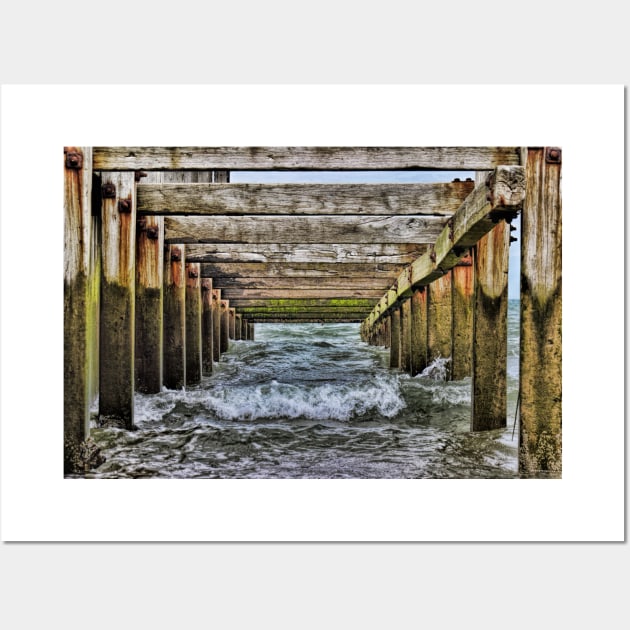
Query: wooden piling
418, 331
489, 343
207, 326
117, 317
174, 321
237, 327
462, 277
193, 324
225, 325
216, 325
244, 330
394, 351
405, 336
232, 323
439, 320
540, 441
78, 309
250, 333
149, 304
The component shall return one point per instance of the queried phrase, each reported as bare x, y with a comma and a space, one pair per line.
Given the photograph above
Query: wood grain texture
302, 199
207, 327
216, 325
193, 323
304, 158
439, 320
418, 331
462, 278
174, 317
350, 286
289, 294
318, 271
395, 337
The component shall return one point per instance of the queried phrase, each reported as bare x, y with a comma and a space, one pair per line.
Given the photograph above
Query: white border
38, 504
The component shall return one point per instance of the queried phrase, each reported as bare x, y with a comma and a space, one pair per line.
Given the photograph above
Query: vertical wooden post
216, 324
237, 327
405, 336
462, 282
394, 351
489, 347
251, 332
244, 330
388, 331
117, 318
225, 325
193, 323
439, 319
207, 326
418, 331
174, 322
540, 441
149, 303
232, 323
94, 290
78, 310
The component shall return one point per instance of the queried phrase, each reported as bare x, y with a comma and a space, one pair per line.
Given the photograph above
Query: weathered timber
307, 229
193, 324
221, 177
207, 327
302, 199
303, 158
418, 331
243, 296
373, 254
244, 329
439, 320
312, 313
232, 323
174, 317
405, 336
237, 327
78, 310
250, 332
149, 304
280, 271
225, 325
388, 332
216, 324
462, 277
501, 196
489, 342
374, 286
117, 318
94, 291
540, 441
298, 303
394, 350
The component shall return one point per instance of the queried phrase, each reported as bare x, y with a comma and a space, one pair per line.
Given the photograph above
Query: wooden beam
149, 304
269, 287
306, 315
302, 199
174, 317
320, 229
77, 309
298, 303
303, 158
501, 196
335, 253
311, 294
302, 271
540, 443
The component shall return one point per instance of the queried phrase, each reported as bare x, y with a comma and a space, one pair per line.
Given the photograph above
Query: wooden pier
167, 262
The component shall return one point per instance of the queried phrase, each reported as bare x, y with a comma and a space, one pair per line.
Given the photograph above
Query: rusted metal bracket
193, 273
108, 191
124, 206
138, 175
176, 254
74, 160
153, 232
502, 213
553, 155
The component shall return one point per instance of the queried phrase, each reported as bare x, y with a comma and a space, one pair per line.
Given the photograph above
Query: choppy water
313, 401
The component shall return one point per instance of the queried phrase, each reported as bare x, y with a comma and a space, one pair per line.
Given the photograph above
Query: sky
373, 177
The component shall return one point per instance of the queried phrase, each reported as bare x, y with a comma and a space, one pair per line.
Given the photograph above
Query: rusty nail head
457, 180
124, 206
109, 191
554, 155
193, 273
139, 175
74, 160
153, 232
176, 254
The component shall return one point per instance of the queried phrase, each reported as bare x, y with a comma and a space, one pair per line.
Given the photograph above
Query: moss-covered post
216, 325
78, 321
489, 343
388, 331
232, 323
394, 351
149, 303
225, 325
540, 441
418, 331
251, 331
405, 336
462, 281
193, 324
117, 316
174, 317
439, 320
207, 327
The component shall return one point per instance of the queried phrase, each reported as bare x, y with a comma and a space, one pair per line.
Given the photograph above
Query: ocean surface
313, 401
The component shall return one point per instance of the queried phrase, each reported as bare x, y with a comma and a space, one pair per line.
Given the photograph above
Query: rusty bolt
513, 239
193, 273
138, 175
457, 180
554, 155
124, 206
469, 179
176, 254
153, 232
74, 160
109, 191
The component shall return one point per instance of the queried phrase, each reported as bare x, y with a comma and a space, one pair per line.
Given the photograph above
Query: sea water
313, 401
